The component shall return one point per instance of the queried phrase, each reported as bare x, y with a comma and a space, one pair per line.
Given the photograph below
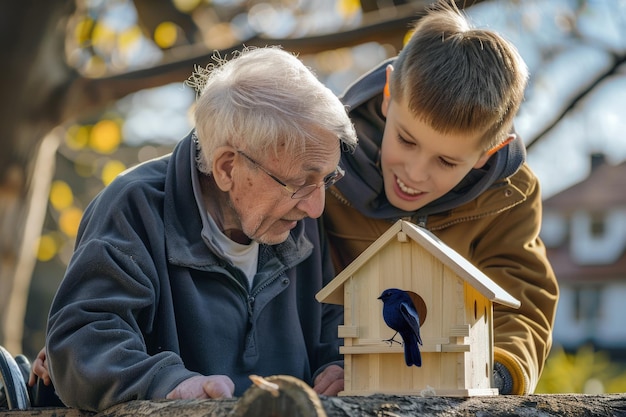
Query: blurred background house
584, 229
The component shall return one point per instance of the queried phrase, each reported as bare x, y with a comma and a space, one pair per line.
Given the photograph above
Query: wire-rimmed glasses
305, 190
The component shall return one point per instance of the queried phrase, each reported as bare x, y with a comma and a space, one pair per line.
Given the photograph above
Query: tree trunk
32, 34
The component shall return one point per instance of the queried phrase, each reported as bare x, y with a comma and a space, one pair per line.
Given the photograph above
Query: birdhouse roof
333, 292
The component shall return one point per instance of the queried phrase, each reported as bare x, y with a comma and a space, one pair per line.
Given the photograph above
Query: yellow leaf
129, 37
166, 34
111, 170
69, 221
61, 196
46, 248
186, 6
103, 37
77, 137
407, 36
105, 137
347, 8
82, 30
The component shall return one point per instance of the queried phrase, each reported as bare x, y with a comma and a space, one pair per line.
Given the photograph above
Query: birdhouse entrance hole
420, 306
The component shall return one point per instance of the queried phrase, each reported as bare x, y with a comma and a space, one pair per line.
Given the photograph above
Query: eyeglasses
305, 190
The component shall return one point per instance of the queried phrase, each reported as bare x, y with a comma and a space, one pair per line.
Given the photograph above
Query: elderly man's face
264, 208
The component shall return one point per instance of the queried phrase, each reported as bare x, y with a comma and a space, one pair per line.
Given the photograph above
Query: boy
436, 148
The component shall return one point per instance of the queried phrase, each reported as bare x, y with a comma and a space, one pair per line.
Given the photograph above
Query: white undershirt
244, 257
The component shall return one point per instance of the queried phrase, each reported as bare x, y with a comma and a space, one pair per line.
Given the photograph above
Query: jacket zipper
339, 197
252, 296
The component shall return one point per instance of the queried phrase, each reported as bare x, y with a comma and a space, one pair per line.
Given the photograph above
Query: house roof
568, 272
333, 292
601, 190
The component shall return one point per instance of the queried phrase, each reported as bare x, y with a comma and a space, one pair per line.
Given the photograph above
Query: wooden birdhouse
455, 304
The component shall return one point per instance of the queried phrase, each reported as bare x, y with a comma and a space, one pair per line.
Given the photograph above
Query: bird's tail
412, 355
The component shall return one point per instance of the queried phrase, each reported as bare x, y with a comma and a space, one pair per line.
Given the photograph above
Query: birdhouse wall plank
452, 305
367, 346
406, 260
425, 280
345, 332
386, 373
349, 325
365, 375
480, 358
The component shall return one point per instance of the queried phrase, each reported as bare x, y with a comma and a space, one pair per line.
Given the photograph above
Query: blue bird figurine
400, 314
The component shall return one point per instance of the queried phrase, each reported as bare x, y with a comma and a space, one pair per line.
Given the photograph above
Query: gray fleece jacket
146, 303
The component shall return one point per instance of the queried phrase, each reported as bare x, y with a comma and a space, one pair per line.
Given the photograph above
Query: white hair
262, 98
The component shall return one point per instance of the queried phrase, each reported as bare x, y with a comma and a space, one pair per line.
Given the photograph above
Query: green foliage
586, 371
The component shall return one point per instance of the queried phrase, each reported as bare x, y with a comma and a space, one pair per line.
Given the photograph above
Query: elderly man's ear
223, 163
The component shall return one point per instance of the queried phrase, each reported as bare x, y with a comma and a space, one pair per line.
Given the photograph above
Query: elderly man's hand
330, 381
197, 387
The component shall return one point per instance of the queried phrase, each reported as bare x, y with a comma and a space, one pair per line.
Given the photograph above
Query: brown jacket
499, 233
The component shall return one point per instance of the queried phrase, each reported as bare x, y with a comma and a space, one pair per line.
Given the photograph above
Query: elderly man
195, 270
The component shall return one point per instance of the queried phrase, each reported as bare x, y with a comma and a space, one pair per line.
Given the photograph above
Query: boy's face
419, 164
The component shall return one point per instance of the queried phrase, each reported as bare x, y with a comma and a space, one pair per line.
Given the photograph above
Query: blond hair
458, 78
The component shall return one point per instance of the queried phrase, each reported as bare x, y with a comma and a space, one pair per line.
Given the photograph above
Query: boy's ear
483, 159
386, 92
223, 160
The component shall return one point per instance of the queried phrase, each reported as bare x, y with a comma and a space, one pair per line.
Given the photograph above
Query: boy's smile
406, 191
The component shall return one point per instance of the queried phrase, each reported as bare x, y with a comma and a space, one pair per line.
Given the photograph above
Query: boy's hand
330, 381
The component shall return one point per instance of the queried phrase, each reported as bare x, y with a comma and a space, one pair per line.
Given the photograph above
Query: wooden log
570, 405
279, 395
